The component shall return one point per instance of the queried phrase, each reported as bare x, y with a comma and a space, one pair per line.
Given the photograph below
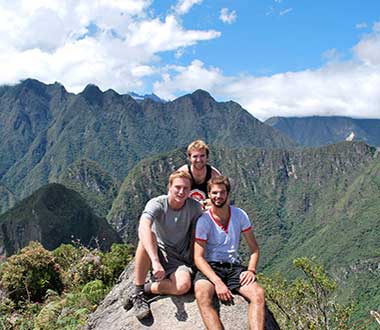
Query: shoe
141, 307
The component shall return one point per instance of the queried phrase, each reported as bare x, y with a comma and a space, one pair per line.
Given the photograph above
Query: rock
168, 312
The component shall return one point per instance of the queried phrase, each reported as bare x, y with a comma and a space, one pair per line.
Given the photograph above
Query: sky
273, 57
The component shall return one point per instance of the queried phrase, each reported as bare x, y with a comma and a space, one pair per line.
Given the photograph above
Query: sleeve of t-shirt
202, 228
245, 223
152, 210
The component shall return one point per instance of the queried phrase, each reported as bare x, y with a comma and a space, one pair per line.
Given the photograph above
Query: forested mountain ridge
53, 215
44, 129
315, 131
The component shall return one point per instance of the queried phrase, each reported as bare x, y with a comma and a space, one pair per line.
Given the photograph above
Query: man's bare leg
177, 284
142, 264
256, 313
204, 292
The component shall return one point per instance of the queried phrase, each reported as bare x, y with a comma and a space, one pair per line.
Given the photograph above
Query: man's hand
247, 277
158, 271
222, 291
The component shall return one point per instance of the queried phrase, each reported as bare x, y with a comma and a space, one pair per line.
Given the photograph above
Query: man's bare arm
149, 242
249, 276
221, 289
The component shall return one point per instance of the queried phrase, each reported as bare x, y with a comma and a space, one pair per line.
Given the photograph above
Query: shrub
28, 275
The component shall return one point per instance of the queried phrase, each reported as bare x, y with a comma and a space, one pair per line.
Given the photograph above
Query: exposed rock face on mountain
45, 129
95, 185
53, 215
316, 131
168, 312
7, 199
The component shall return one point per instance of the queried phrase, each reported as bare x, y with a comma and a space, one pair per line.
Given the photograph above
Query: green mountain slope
315, 131
45, 129
94, 184
53, 215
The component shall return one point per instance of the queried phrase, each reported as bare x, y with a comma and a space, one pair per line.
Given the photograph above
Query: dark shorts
228, 272
173, 263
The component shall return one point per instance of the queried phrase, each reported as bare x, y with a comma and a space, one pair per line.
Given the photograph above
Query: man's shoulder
205, 217
193, 205
159, 201
183, 168
237, 211
214, 171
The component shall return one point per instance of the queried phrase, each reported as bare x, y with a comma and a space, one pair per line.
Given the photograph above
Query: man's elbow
197, 260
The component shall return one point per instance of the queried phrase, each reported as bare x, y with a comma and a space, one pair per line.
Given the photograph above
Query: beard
219, 205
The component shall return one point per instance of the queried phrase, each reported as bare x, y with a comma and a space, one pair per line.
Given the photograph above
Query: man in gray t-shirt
165, 243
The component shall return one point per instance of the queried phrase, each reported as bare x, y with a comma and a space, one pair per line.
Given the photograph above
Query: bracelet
252, 271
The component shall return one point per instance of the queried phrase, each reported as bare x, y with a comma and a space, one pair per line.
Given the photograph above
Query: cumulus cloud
114, 44
227, 16
347, 88
183, 6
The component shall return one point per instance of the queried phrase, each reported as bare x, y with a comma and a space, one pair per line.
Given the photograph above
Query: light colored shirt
173, 227
222, 243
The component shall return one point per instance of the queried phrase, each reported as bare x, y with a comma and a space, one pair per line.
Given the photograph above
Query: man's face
198, 158
218, 195
179, 190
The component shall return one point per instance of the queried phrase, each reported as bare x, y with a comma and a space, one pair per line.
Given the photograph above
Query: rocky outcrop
168, 312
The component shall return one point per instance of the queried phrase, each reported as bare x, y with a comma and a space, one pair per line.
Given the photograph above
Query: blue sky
274, 57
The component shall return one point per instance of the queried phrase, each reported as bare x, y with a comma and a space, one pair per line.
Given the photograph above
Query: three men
165, 243
166, 231
217, 239
197, 154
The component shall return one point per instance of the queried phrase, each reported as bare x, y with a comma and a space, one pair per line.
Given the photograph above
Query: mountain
93, 183
53, 215
152, 97
321, 202
7, 199
44, 129
316, 131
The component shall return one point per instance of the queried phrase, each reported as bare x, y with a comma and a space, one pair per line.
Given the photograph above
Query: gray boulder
168, 312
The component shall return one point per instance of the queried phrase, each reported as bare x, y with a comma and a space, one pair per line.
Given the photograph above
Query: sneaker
140, 305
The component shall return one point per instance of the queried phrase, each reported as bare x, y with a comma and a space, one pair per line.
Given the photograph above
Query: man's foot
140, 305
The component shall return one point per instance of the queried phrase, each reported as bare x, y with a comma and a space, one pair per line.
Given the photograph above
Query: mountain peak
93, 94
202, 94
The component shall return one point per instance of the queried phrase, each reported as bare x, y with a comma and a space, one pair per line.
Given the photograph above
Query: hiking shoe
140, 305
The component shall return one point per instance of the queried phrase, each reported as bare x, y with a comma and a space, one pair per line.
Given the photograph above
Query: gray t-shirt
173, 228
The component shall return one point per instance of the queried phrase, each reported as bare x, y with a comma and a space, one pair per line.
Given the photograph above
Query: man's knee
257, 294
203, 294
183, 286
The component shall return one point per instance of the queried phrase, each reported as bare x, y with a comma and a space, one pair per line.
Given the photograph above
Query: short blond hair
197, 145
179, 174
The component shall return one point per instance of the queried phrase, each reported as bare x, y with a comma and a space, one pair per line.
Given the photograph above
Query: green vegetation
53, 215
56, 290
307, 302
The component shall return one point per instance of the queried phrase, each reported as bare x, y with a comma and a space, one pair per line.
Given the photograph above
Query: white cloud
227, 16
368, 49
285, 11
187, 79
114, 44
361, 25
347, 88
156, 36
184, 6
